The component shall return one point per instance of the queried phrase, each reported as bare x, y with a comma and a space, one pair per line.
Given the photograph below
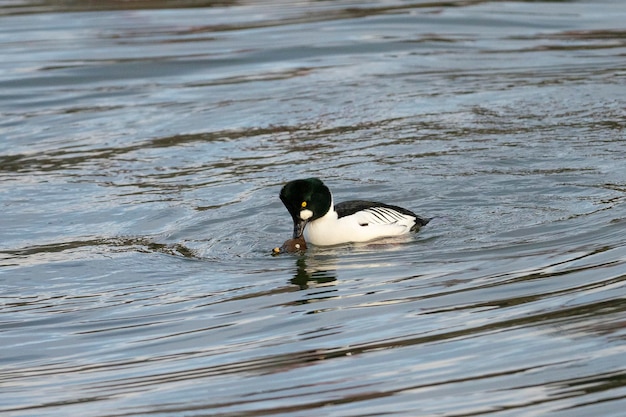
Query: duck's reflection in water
314, 271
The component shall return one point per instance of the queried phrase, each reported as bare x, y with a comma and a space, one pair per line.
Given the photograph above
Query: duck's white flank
362, 226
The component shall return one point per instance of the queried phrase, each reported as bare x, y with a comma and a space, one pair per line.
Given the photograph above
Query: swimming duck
310, 204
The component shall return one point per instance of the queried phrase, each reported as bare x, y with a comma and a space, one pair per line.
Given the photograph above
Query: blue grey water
142, 148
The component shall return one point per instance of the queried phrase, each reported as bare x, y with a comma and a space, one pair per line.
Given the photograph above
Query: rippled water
143, 148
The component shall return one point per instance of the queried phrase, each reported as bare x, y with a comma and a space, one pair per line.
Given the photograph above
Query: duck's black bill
298, 227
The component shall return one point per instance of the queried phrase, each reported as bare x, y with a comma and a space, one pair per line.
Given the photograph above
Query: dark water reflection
143, 147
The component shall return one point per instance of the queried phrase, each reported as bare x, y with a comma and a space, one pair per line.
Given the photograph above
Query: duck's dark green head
306, 200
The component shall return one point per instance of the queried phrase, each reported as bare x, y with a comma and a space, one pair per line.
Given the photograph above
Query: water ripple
144, 148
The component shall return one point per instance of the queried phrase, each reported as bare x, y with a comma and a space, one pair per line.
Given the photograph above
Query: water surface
143, 148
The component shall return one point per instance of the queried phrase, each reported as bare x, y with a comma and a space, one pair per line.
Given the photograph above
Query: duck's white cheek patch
306, 214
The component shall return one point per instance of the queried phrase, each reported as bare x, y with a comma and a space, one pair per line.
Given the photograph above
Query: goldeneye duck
310, 204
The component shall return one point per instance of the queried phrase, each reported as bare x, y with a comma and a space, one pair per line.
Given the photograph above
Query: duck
322, 223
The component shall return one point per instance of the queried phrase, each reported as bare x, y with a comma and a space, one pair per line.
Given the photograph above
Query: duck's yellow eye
303, 204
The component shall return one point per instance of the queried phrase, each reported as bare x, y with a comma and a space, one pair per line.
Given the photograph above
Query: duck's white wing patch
382, 216
376, 222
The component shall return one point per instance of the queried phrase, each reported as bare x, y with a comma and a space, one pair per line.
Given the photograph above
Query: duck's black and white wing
370, 213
